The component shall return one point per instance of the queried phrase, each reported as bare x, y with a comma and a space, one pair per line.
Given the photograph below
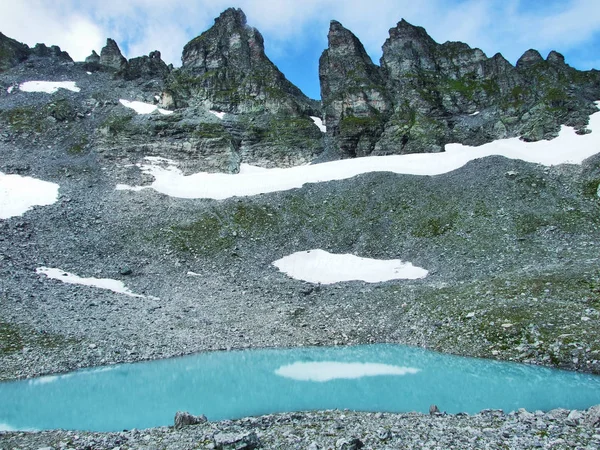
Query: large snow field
320, 266
19, 194
567, 148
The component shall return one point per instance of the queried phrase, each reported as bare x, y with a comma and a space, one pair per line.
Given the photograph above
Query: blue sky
295, 31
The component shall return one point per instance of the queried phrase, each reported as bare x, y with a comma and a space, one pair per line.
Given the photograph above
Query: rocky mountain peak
54, 51
93, 58
111, 56
555, 58
352, 91
12, 52
225, 68
529, 58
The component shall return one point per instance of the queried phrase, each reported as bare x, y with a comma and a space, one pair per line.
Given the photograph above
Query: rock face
11, 52
355, 98
111, 56
225, 68
426, 94
151, 66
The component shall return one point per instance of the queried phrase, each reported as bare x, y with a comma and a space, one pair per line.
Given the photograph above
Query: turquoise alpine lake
234, 384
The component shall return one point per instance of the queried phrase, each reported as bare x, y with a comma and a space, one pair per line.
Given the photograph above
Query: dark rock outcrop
226, 69
428, 94
54, 51
94, 58
147, 67
111, 56
355, 98
12, 52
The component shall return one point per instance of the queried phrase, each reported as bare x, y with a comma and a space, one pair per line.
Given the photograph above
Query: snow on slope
318, 122
19, 194
144, 108
102, 283
49, 87
220, 115
567, 148
330, 370
319, 266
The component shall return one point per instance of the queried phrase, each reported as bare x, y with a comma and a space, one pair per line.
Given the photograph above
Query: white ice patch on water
49, 87
102, 283
219, 114
45, 380
6, 427
144, 108
567, 148
318, 122
19, 194
319, 266
331, 370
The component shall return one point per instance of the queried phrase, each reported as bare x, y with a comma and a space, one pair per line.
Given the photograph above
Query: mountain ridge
421, 96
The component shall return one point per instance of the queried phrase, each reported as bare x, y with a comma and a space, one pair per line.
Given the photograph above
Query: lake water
227, 385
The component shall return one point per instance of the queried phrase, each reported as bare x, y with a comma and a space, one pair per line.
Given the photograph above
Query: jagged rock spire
111, 56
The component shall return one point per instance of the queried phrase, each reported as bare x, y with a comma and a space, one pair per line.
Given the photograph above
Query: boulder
236, 441
184, 418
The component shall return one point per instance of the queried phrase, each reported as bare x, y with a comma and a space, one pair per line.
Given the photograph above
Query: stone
184, 418
574, 418
349, 444
236, 441
592, 417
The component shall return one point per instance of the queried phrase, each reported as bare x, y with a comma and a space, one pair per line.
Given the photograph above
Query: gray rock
94, 58
111, 56
184, 418
574, 418
236, 441
592, 417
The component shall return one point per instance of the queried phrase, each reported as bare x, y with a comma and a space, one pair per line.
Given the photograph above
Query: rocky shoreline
489, 429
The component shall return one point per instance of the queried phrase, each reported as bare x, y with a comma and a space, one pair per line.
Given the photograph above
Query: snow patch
193, 274
49, 87
474, 114
102, 283
331, 370
19, 194
318, 122
10, 89
144, 108
219, 114
319, 266
567, 148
